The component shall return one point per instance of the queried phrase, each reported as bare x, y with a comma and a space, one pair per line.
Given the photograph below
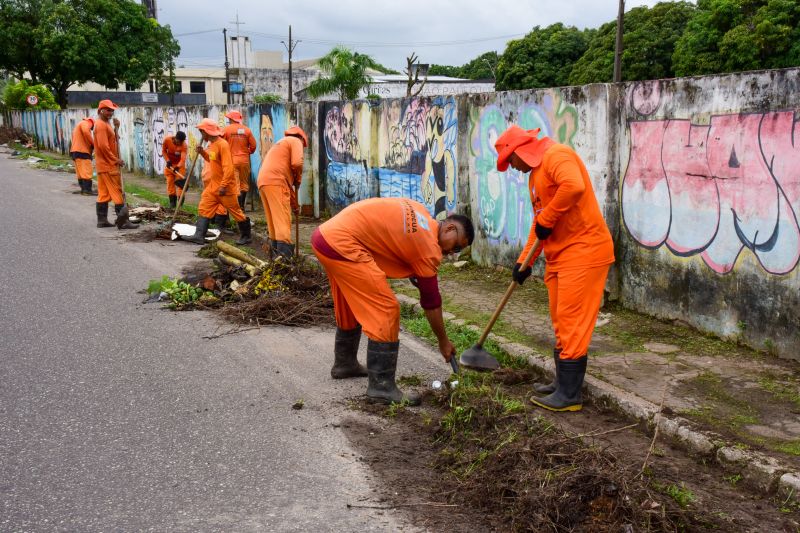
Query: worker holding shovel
108, 162
221, 189
577, 246
80, 150
174, 151
278, 180
242, 143
362, 246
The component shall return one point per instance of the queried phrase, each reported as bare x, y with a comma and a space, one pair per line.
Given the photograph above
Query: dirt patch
10, 134
486, 461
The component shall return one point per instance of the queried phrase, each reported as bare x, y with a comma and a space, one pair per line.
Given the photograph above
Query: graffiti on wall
415, 152
714, 190
504, 207
267, 122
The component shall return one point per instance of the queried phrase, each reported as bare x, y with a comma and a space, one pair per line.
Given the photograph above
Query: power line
197, 32
374, 44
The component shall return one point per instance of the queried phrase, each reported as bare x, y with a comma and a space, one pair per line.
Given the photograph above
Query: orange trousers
361, 295
277, 203
575, 298
83, 168
171, 175
109, 187
212, 204
242, 171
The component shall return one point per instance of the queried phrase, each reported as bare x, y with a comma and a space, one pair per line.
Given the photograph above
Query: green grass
790, 448
462, 337
681, 495
156, 198
48, 157
783, 391
414, 380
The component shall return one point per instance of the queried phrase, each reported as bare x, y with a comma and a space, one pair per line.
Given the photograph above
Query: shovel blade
477, 358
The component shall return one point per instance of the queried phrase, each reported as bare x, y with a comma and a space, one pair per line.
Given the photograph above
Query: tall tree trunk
61, 95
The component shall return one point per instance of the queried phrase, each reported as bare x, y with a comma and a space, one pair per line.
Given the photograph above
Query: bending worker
109, 177
577, 246
80, 150
221, 188
174, 151
362, 246
278, 179
242, 144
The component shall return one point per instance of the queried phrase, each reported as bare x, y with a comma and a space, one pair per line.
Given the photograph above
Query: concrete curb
761, 472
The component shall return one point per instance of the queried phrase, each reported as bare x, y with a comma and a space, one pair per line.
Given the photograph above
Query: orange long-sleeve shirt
399, 234
241, 141
563, 199
82, 142
173, 152
219, 169
105, 145
283, 163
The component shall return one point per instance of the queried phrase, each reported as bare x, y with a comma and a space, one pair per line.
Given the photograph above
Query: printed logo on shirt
212, 156
410, 224
423, 221
240, 131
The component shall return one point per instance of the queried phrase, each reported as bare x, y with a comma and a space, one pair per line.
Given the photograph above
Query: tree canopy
16, 93
64, 42
344, 73
482, 67
648, 44
734, 35
543, 58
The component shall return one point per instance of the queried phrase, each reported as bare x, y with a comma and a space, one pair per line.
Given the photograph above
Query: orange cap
295, 130
210, 127
524, 143
234, 115
107, 104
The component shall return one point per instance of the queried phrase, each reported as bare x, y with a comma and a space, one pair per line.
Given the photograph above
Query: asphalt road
118, 416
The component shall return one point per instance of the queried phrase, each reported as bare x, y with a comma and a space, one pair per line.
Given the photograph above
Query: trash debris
299, 404
436, 384
33, 160
460, 264
187, 230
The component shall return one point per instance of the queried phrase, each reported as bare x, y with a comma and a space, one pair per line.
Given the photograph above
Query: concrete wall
274, 81
698, 178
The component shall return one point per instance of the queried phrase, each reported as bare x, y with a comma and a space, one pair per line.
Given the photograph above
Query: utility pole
290, 48
227, 72
618, 50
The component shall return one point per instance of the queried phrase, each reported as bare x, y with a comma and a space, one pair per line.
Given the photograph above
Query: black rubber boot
173, 201
245, 229
86, 187
123, 223
242, 198
222, 223
549, 388
102, 215
381, 368
345, 352
284, 249
567, 396
201, 228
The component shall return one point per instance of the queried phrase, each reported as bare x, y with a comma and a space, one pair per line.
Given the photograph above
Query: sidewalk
730, 403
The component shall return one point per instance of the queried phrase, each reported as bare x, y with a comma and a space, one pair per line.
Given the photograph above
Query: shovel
477, 358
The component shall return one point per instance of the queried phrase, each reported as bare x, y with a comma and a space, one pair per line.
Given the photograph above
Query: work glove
542, 232
169, 165
180, 183
520, 274
414, 281
293, 202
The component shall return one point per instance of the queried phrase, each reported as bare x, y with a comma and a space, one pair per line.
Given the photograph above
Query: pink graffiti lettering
716, 190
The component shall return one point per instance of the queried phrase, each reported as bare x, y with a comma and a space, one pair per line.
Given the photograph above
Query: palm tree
344, 73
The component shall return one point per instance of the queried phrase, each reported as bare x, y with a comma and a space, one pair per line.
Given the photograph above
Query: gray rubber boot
567, 396
102, 215
201, 228
123, 222
222, 223
345, 352
549, 388
245, 229
381, 368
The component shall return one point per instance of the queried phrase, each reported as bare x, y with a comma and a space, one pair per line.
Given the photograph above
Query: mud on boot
345, 352
122, 221
102, 215
549, 388
201, 228
381, 368
567, 396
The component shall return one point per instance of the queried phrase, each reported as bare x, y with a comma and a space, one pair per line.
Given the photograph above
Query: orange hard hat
210, 127
234, 115
107, 104
296, 130
529, 147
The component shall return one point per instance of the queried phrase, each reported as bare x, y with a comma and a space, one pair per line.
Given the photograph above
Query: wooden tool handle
506, 297
183, 189
297, 223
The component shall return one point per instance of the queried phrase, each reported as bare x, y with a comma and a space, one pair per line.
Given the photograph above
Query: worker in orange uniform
278, 180
221, 187
362, 246
242, 143
80, 150
174, 151
108, 162
577, 246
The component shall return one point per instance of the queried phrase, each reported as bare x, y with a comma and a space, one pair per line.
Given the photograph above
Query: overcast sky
448, 32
